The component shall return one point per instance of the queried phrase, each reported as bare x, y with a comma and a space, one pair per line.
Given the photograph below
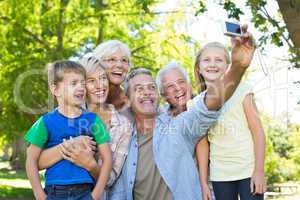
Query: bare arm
49, 157
258, 178
220, 91
33, 153
106, 157
68, 149
202, 155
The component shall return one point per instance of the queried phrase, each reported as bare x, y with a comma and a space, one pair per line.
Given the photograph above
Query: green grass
9, 174
8, 192
14, 184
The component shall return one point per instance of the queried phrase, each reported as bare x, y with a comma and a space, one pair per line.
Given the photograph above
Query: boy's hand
95, 196
242, 49
41, 196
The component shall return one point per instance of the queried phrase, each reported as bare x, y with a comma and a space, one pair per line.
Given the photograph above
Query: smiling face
143, 95
71, 90
117, 65
97, 86
212, 63
176, 89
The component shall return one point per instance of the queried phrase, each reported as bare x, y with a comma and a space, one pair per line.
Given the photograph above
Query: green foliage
37, 32
280, 138
264, 22
201, 9
233, 11
282, 151
279, 34
294, 154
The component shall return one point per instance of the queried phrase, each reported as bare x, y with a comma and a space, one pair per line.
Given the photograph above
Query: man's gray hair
172, 65
107, 48
132, 74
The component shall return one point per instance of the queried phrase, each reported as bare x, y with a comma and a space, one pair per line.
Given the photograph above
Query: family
109, 137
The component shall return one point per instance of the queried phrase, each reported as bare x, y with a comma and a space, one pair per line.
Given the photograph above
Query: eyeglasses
173, 85
114, 61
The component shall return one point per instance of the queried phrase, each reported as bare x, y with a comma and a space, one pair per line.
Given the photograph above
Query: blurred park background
35, 32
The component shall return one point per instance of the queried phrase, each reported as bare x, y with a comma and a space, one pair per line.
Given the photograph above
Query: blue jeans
69, 192
230, 190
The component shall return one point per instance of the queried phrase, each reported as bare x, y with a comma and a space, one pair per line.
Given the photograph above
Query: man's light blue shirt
174, 140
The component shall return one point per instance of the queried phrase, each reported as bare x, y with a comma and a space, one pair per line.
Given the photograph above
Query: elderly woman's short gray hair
132, 74
172, 65
107, 48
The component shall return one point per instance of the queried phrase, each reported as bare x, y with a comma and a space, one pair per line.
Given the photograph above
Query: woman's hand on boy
79, 142
79, 151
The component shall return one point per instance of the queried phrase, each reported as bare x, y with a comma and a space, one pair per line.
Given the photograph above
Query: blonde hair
200, 82
91, 64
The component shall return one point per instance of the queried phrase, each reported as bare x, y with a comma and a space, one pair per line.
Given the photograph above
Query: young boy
64, 180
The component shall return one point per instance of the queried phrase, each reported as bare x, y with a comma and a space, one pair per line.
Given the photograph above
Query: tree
287, 32
291, 15
282, 151
36, 32
283, 31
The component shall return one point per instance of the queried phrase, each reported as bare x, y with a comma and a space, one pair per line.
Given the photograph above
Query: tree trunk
290, 10
17, 160
6, 155
101, 27
60, 26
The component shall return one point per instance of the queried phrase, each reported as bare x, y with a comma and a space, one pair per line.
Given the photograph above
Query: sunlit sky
275, 92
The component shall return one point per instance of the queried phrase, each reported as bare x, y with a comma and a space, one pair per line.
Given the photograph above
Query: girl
235, 146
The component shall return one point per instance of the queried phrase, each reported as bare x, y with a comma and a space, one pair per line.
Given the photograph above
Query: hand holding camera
243, 45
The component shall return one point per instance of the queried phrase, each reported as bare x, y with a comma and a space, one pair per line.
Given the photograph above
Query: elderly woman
79, 150
115, 56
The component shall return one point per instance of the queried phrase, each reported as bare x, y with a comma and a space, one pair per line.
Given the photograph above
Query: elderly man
160, 163
174, 85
